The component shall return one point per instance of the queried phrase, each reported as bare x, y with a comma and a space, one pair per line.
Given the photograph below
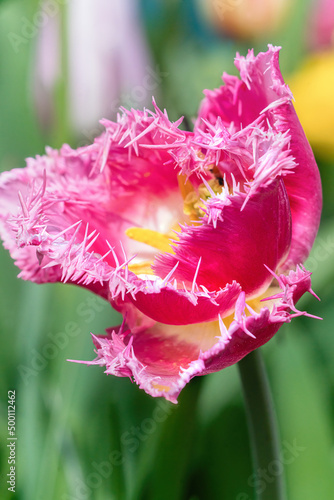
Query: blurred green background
83, 435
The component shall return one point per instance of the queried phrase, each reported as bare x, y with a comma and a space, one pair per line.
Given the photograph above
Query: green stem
262, 428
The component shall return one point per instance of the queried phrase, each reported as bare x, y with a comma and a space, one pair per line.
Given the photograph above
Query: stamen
185, 186
142, 268
149, 237
194, 202
159, 387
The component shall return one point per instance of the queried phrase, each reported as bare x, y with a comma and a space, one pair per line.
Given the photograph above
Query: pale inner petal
163, 224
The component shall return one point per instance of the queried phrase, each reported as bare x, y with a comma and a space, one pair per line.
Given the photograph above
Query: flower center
194, 201
193, 209
153, 238
160, 241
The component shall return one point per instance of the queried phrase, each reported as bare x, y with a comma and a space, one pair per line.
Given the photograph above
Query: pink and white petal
132, 163
162, 359
135, 319
240, 102
136, 151
73, 218
62, 250
263, 77
262, 91
154, 357
248, 332
14, 186
172, 306
303, 187
233, 244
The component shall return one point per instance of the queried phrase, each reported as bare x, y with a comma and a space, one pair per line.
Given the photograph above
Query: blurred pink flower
321, 25
184, 233
105, 58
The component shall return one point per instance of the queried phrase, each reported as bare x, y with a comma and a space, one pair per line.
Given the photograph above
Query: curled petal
68, 226
262, 91
14, 186
162, 359
245, 192
303, 188
240, 102
238, 246
174, 306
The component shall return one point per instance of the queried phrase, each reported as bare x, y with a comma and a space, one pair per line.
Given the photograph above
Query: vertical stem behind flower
262, 426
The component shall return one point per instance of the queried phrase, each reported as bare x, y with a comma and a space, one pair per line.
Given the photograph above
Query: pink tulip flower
197, 238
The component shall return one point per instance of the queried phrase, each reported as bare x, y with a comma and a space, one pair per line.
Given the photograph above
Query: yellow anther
143, 268
163, 388
193, 205
149, 237
185, 186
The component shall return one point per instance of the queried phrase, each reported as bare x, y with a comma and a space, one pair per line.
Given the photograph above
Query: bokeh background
64, 64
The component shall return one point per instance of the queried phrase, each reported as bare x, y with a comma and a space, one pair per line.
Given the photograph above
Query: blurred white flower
99, 48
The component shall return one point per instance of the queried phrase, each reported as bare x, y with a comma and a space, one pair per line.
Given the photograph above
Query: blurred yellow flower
246, 19
313, 88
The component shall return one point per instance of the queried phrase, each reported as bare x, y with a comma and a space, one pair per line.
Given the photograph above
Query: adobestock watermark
223, 6
260, 479
39, 359
323, 249
137, 97
30, 27
141, 93
131, 440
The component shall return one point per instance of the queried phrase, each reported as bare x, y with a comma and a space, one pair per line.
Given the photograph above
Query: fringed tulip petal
237, 245
174, 306
262, 91
184, 233
75, 206
163, 359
